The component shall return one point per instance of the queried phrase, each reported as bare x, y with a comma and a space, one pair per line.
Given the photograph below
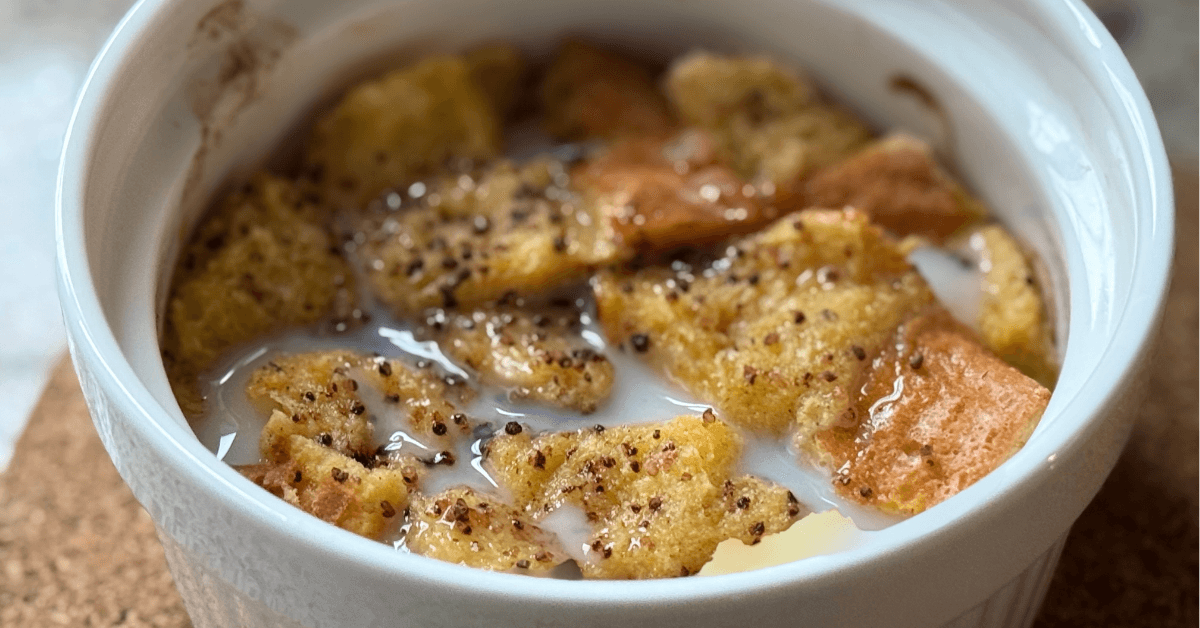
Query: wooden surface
77, 550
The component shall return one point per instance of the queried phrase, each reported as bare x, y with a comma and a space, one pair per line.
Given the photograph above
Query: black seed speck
916, 361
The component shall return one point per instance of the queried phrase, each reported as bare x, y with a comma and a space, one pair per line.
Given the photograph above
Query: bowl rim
94, 342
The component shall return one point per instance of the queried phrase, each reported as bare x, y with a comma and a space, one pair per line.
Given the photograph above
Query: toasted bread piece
334, 487
592, 93
462, 526
539, 357
662, 194
898, 184
400, 127
470, 239
431, 402
776, 332
260, 262
755, 508
768, 122
660, 497
1013, 319
500, 70
314, 396
937, 412
325, 396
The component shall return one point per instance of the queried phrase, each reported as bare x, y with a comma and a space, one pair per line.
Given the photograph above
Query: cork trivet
77, 550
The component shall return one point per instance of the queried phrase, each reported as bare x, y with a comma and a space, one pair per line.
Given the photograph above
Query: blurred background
47, 45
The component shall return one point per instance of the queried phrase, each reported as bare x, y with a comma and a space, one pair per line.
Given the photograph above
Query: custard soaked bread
400, 127
658, 497
733, 230
262, 261
777, 331
460, 525
539, 357
319, 442
768, 121
1014, 320
465, 239
324, 396
336, 488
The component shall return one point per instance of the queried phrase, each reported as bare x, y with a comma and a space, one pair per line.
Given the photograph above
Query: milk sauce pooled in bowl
715, 315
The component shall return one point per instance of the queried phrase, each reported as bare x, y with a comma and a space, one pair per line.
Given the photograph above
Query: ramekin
1032, 101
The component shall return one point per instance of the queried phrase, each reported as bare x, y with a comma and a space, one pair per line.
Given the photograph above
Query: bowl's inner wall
195, 113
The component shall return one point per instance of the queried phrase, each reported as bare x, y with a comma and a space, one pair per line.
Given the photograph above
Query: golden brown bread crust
898, 184
937, 412
593, 93
666, 193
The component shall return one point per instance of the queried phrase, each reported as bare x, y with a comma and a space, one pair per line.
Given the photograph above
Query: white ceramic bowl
1048, 124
